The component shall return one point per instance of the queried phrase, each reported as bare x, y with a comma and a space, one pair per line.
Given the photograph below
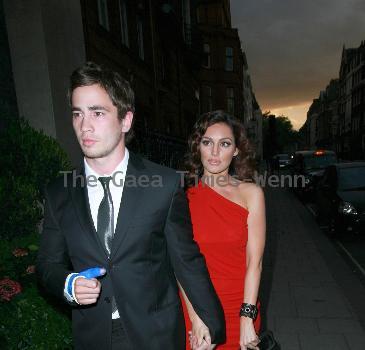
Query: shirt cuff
71, 297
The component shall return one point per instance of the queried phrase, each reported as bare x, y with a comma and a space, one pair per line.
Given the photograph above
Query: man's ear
127, 121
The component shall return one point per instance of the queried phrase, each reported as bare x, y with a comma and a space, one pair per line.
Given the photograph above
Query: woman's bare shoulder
250, 193
250, 187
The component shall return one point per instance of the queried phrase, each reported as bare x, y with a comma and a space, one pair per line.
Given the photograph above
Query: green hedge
28, 318
29, 160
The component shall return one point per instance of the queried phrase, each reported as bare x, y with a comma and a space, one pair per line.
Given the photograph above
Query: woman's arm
199, 330
189, 265
256, 222
191, 312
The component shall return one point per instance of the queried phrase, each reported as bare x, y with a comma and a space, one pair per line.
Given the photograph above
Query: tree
278, 134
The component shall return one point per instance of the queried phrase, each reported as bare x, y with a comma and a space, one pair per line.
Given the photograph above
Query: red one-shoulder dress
220, 229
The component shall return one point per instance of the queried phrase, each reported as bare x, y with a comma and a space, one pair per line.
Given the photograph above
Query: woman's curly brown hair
242, 166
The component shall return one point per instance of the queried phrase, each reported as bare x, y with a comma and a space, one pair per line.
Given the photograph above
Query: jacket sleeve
190, 267
53, 262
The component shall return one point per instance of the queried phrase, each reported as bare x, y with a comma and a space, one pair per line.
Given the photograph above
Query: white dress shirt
96, 192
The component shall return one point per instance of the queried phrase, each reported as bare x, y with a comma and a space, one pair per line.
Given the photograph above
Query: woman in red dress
228, 217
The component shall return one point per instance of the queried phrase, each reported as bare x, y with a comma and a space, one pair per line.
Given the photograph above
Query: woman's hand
248, 336
199, 336
204, 345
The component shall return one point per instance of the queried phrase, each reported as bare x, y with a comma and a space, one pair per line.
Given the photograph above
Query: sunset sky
294, 48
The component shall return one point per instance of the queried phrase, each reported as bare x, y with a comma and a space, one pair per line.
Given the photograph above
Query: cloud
294, 47
294, 113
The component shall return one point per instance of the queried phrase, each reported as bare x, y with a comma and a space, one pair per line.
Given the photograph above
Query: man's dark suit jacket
152, 247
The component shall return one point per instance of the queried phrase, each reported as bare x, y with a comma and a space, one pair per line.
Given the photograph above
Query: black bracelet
248, 310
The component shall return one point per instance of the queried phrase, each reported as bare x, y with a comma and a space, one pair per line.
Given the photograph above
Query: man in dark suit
129, 217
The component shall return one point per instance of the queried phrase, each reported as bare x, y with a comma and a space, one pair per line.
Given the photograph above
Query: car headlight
347, 208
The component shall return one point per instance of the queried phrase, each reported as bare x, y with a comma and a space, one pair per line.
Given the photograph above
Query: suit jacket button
107, 300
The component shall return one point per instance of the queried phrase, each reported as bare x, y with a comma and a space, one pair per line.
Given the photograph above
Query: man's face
95, 120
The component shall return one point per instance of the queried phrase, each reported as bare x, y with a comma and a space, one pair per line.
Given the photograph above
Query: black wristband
248, 310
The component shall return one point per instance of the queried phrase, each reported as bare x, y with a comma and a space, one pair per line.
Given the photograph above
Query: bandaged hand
84, 286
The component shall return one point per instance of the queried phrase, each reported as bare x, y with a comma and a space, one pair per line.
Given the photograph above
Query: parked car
281, 160
340, 198
311, 165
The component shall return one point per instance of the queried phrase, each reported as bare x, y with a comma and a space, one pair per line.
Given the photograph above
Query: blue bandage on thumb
88, 273
93, 272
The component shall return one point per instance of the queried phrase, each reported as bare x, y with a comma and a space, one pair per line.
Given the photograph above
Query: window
123, 22
163, 69
103, 14
198, 16
197, 97
186, 21
207, 95
206, 49
230, 100
202, 14
140, 38
210, 99
351, 178
356, 98
229, 59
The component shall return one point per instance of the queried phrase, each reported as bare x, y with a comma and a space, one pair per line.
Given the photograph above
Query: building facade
351, 133
311, 123
221, 74
252, 114
154, 44
46, 42
322, 118
224, 79
182, 58
336, 120
8, 104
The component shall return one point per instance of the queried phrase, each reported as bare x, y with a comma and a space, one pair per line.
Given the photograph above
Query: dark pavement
311, 297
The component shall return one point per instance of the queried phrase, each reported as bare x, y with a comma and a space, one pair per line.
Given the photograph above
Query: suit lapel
80, 199
131, 196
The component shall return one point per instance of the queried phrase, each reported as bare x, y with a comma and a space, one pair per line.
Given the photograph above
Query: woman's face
217, 148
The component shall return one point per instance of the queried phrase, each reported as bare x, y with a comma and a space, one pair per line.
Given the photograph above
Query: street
312, 295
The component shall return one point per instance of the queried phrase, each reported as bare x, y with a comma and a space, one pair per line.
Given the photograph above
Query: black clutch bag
268, 342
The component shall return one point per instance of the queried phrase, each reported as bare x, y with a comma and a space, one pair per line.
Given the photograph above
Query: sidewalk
311, 299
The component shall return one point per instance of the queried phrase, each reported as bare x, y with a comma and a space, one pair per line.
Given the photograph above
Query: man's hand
87, 289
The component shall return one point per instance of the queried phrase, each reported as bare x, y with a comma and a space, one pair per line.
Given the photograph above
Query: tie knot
104, 180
